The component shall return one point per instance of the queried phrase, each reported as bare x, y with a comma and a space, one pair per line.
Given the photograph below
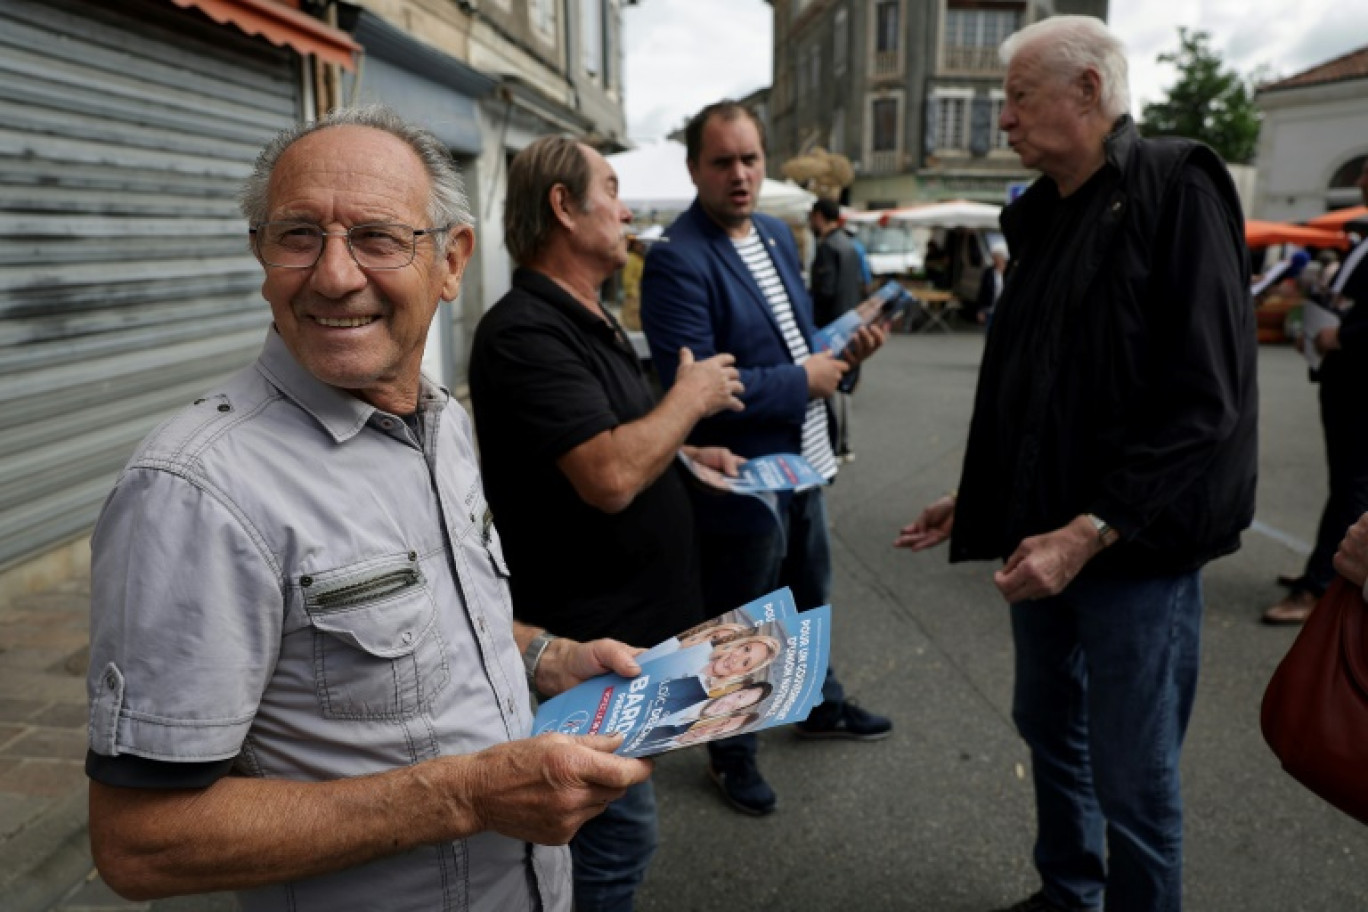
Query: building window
837, 142
884, 115
952, 118
591, 35
972, 37
886, 26
543, 15
840, 41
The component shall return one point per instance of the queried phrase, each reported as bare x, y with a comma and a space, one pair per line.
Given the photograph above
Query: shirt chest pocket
377, 648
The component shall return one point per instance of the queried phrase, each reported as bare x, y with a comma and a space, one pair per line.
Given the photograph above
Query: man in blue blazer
725, 278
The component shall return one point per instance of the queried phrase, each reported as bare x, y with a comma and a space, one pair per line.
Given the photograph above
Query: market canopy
949, 214
1354, 218
1260, 233
653, 178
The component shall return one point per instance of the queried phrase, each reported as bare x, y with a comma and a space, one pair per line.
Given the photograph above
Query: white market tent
949, 214
653, 180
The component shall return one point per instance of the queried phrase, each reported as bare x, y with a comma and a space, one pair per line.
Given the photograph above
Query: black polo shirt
546, 375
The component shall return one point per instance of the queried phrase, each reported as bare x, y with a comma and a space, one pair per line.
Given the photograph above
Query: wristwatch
532, 656
1106, 535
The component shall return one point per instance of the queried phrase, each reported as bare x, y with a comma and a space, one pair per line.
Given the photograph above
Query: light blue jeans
1106, 672
612, 851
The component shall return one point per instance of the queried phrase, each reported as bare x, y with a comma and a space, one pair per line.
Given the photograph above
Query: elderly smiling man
306, 683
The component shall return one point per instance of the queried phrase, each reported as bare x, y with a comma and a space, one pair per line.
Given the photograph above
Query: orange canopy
1338, 219
281, 26
1263, 234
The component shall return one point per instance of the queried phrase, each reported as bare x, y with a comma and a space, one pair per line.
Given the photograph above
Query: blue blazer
697, 293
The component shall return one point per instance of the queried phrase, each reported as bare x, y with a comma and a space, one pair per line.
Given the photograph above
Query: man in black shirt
1112, 452
579, 459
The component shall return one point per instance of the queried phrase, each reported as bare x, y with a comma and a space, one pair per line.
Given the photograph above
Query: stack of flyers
774, 472
746, 670
882, 307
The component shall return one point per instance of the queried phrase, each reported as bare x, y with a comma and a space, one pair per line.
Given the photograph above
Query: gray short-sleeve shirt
287, 576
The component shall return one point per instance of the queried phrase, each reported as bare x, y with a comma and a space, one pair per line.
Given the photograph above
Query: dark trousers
1346, 453
795, 552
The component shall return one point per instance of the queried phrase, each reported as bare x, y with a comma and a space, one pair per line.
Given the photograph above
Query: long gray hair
448, 204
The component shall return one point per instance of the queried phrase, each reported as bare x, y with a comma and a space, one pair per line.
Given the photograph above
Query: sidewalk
43, 655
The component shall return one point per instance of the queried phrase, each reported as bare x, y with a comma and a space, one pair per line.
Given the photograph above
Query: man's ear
563, 206
1089, 84
460, 245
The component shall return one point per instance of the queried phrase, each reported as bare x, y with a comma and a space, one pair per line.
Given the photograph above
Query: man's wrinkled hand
1043, 565
864, 343
714, 382
931, 528
542, 789
824, 373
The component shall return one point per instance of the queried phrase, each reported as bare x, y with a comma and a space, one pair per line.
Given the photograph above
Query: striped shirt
816, 442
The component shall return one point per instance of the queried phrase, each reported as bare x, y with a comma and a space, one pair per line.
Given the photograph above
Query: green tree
1208, 102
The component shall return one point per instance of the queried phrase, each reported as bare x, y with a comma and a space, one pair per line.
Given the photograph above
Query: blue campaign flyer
771, 675
759, 475
884, 306
728, 625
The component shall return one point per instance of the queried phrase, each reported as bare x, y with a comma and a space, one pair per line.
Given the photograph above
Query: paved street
939, 816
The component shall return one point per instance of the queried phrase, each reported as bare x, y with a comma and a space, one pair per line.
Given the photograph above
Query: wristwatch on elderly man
1106, 535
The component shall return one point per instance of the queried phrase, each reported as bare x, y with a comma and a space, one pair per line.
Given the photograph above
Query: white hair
1068, 45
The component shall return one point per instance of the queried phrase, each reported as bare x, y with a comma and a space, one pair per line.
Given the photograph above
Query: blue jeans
1106, 672
740, 567
612, 851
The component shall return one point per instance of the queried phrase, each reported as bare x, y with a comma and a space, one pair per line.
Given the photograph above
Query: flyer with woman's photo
749, 669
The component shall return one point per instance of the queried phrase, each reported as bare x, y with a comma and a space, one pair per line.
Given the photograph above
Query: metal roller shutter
126, 286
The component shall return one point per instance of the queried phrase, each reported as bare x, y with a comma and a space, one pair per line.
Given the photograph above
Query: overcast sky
683, 54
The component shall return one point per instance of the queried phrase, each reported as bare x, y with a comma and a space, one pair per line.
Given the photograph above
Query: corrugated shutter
126, 286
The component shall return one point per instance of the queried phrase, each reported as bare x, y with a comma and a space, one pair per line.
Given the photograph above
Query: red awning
1262, 234
282, 26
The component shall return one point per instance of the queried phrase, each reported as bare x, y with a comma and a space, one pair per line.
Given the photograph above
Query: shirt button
408, 636
479, 622
112, 681
386, 423
512, 708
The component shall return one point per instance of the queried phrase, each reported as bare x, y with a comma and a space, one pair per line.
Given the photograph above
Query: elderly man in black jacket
1111, 454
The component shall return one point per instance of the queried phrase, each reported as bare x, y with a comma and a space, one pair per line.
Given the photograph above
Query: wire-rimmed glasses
299, 245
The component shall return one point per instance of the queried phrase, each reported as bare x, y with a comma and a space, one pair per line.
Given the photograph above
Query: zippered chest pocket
378, 652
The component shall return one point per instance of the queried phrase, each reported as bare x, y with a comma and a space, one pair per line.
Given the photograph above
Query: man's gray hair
447, 205
1068, 45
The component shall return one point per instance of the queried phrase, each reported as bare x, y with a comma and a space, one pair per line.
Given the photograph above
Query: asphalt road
940, 815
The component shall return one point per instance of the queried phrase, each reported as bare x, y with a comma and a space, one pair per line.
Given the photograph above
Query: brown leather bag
1315, 710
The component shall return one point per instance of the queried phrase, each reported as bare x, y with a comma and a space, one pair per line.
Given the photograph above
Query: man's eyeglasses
299, 245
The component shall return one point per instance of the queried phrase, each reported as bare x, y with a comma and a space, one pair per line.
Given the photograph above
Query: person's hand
714, 382
1351, 560
931, 528
864, 343
1327, 340
1043, 565
543, 789
824, 372
567, 662
719, 458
